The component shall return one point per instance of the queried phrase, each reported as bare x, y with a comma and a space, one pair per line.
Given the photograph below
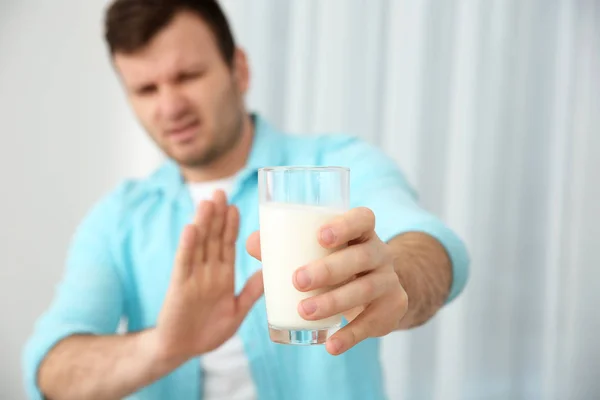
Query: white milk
289, 240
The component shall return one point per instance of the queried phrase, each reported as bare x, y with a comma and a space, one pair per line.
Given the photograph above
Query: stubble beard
224, 140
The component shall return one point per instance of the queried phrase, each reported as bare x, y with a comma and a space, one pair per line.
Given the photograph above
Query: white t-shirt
226, 369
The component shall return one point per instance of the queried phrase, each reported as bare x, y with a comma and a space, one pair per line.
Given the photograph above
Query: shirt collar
267, 150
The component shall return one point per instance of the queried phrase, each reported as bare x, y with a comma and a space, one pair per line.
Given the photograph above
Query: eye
146, 90
190, 76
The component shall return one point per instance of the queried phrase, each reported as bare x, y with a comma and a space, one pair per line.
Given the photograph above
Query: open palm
201, 311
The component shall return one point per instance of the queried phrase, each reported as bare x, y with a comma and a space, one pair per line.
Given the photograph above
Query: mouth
183, 133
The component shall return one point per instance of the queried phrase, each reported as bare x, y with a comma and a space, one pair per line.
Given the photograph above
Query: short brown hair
131, 24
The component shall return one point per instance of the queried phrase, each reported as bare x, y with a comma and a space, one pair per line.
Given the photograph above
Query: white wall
65, 133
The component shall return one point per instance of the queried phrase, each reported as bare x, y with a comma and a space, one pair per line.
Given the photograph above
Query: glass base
300, 337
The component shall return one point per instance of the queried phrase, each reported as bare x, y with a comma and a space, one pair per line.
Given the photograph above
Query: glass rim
300, 168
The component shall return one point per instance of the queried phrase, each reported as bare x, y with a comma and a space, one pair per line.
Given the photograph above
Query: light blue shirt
120, 261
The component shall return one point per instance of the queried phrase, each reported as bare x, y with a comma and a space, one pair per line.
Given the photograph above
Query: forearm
425, 272
101, 367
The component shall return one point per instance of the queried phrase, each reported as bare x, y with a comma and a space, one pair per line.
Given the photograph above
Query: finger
215, 233
358, 292
253, 245
352, 334
201, 221
185, 254
340, 266
230, 234
252, 291
356, 224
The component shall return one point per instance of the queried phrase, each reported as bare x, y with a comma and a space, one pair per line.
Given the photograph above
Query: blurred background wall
490, 107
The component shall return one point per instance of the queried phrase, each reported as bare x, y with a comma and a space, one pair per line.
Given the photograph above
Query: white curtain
491, 108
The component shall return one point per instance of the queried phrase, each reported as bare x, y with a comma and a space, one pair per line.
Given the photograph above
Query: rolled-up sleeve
379, 184
89, 298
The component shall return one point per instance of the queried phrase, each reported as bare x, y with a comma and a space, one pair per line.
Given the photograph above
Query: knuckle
401, 300
404, 299
368, 215
361, 331
229, 240
363, 255
354, 336
367, 288
384, 250
387, 255
325, 272
328, 304
342, 226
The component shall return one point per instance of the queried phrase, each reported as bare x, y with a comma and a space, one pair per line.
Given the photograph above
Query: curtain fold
491, 109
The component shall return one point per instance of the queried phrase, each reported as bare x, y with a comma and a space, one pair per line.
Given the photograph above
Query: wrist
160, 358
425, 272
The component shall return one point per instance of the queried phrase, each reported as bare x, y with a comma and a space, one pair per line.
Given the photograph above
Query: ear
241, 70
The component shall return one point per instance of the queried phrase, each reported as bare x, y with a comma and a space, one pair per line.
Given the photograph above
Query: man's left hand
367, 289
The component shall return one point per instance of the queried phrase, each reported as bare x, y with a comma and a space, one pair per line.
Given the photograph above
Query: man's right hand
201, 311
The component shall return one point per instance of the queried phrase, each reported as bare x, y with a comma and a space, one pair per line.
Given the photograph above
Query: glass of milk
294, 203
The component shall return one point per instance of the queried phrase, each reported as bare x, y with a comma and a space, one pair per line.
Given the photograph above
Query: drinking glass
294, 203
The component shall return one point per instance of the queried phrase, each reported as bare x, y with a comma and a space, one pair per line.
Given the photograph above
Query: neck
229, 163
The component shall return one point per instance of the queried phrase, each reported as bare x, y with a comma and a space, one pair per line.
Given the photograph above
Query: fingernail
335, 345
302, 278
309, 307
327, 236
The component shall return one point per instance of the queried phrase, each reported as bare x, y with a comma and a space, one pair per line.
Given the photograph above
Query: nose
172, 104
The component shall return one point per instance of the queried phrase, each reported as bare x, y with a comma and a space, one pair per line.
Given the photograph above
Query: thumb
253, 245
250, 294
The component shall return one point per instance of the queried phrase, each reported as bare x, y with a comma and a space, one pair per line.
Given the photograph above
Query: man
190, 293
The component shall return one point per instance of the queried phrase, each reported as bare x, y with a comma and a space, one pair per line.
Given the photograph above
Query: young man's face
184, 93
